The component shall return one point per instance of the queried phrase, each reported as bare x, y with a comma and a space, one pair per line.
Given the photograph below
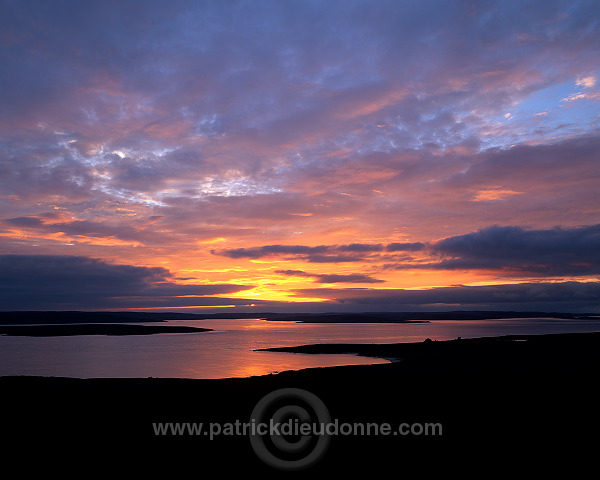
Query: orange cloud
493, 193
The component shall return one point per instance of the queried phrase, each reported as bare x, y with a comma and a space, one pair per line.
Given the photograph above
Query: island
94, 329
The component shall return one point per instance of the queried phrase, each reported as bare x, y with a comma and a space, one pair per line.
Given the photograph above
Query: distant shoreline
64, 317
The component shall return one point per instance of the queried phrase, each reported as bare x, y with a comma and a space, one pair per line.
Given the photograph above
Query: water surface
228, 351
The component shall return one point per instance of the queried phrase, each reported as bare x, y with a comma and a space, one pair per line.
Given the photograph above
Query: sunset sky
299, 155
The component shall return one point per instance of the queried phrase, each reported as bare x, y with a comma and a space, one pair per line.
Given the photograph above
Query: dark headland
516, 403
94, 329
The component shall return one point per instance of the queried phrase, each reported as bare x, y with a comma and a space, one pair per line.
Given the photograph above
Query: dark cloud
318, 254
360, 247
332, 278
557, 251
297, 273
353, 252
315, 258
267, 250
24, 221
405, 247
556, 296
35, 282
348, 278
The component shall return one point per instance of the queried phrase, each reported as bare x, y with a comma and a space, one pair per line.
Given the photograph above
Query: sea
230, 349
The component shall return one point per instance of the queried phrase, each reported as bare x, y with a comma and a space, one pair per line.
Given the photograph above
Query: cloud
405, 247
557, 251
315, 258
24, 221
493, 193
332, 278
38, 282
567, 295
320, 254
267, 250
320, 132
582, 96
86, 230
360, 247
588, 82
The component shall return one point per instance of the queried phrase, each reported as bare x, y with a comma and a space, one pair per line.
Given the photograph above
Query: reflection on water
229, 350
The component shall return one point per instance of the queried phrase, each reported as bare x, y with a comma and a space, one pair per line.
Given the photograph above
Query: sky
300, 155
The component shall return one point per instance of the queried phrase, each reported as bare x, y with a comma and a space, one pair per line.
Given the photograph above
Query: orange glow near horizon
277, 278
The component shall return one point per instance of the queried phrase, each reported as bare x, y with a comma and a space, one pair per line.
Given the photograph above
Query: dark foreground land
519, 406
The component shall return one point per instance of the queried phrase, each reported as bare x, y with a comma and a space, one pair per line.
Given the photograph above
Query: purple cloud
565, 295
335, 253
557, 251
334, 132
332, 278
45, 282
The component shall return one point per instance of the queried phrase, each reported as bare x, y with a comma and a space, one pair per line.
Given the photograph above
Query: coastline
532, 345
69, 329
496, 397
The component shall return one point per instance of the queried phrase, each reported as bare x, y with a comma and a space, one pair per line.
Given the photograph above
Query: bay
229, 350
